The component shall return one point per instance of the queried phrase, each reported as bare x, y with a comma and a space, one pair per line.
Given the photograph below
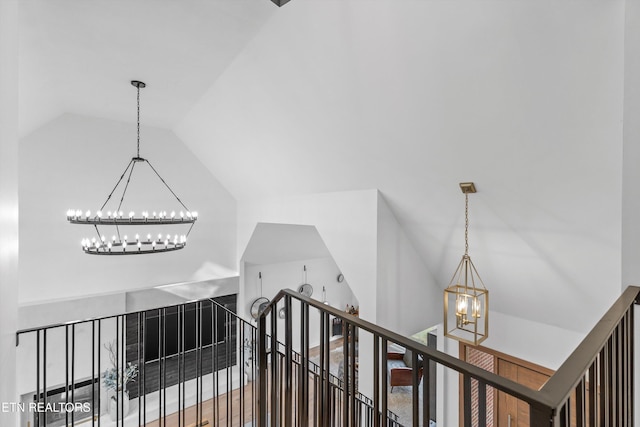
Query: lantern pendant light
144, 243
466, 300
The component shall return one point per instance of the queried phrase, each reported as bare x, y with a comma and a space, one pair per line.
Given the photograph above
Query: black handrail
547, 401
503, 384
111, 316
562, 383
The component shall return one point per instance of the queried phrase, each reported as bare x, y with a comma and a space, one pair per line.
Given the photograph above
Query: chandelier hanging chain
189, 231
116, 186
126, 186
138, 87
166, 185
466, 224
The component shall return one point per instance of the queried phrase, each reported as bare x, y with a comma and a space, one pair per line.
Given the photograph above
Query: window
196, 323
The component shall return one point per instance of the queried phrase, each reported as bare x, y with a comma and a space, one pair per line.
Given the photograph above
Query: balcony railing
195, 364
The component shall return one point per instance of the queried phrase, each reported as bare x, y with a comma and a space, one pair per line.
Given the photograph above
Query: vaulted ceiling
78, 57
409, 97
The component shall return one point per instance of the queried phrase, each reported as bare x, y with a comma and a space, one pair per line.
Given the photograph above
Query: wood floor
231, 409
237, 408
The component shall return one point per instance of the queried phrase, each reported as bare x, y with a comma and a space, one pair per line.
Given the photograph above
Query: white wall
289, 275
69, 310
74, 162
346, 222
412, 97
631, 158
408, 297
9, 227
536, 342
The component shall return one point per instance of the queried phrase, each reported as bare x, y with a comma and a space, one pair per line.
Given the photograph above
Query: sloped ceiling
78, 56
410, 97
279, 243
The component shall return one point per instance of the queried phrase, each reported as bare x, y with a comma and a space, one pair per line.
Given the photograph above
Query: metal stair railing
593, 387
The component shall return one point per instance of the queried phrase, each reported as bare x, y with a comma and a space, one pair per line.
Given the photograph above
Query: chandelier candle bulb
476, 308
461, 306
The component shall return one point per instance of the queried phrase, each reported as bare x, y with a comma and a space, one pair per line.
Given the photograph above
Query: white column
8, 204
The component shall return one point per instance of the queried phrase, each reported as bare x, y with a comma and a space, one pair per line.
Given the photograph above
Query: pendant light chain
466, 224
138, 121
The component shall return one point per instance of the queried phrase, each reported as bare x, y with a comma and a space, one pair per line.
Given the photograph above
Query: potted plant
115, 381
248, 363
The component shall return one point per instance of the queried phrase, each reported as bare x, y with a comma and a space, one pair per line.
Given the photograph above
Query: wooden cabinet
503, 410
513, 412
